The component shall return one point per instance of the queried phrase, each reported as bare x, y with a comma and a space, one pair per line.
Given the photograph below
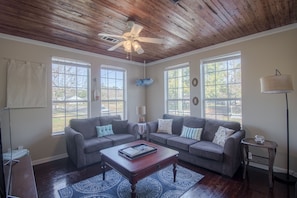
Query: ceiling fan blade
116, 46
136, 29
150, 40
110, 35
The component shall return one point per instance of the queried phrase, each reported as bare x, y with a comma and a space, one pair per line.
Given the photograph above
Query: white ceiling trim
227, 43
68, 49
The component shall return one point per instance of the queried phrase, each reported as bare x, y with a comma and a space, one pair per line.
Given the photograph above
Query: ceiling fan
131, 38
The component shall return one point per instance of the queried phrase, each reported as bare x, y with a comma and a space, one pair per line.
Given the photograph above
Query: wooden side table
271, 148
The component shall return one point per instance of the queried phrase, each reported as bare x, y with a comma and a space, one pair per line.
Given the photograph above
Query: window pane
70, 92
222, 88
178, 91
112, 92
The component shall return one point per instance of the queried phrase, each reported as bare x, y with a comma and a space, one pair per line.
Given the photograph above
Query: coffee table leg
174, 172
133, 189
103, 166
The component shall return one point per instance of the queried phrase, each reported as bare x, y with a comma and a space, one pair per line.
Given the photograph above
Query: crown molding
227, 43
224, 44
68, 49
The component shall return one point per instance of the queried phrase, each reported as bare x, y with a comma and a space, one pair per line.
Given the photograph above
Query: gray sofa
204, 153
83, 144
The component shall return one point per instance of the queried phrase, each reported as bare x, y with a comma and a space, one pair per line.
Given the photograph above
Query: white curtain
26, 85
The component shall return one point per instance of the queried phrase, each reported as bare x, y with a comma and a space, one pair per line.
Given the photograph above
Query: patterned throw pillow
165, 126
221, 135
104, 130
192, 133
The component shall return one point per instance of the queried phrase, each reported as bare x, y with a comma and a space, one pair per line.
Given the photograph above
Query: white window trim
125, 113
213, 59
186, 64
60, 60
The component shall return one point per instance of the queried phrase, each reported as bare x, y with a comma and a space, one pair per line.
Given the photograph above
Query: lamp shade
276, 84
140, 110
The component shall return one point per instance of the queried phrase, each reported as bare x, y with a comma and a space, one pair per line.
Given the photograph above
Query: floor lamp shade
276, 84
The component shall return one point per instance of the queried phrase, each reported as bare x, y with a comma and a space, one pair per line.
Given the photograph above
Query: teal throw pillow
192, 133
104, 130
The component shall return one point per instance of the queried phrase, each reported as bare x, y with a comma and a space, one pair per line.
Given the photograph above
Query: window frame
226, 57
124, 100
76, 64
188, 100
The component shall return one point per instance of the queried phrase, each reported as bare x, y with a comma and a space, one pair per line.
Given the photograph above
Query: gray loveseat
204, 153
83, 144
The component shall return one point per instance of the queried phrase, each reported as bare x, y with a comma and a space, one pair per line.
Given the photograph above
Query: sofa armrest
232, 153
152, 127
132, 129
75, 146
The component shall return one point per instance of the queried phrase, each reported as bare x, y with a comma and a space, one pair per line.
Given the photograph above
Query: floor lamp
280, 84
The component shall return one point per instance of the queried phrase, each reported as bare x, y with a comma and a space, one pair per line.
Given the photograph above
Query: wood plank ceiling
185, 26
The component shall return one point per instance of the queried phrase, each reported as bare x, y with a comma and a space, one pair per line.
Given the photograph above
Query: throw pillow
104, 130
192, 133
221, 135
120, 126
165, 126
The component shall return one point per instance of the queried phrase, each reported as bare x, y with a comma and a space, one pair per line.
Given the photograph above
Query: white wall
262, 113
32, 128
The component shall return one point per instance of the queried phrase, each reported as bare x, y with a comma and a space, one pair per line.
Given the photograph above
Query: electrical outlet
250, 155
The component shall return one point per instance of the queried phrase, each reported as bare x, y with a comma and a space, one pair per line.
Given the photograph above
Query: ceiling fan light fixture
137, 47
127, 46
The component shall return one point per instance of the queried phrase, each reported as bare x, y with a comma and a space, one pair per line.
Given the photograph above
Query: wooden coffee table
139, 168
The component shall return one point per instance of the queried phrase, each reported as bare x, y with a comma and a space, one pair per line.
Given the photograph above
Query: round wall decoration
195, 100
195, 82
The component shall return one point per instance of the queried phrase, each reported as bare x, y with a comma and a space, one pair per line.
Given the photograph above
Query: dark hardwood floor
52, 176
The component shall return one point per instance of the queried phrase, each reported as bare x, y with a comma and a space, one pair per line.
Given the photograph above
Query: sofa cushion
87, 127
161, 137
211, 127
165, 126
120, 126
221, 135
104, 130
177, 123
105, 120
207, 150
120, 138
180, 142
96, 144
192, 133
194, 122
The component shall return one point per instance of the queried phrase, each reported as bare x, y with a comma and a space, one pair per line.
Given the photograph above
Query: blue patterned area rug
159, 184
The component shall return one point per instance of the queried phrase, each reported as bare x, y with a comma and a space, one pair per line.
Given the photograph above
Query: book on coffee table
136, 151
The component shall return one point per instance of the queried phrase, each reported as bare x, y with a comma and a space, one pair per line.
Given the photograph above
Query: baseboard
49, 159
275, 169
260, 166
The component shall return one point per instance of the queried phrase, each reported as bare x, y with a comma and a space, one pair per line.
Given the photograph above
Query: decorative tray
139, 150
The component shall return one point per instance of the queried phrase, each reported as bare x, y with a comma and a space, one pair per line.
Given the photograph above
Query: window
113, 91
222, 88
177, 81
70, 92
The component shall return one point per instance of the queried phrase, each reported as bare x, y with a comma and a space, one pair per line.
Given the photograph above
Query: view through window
177, 81
222, 88
70, 92
113, 91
